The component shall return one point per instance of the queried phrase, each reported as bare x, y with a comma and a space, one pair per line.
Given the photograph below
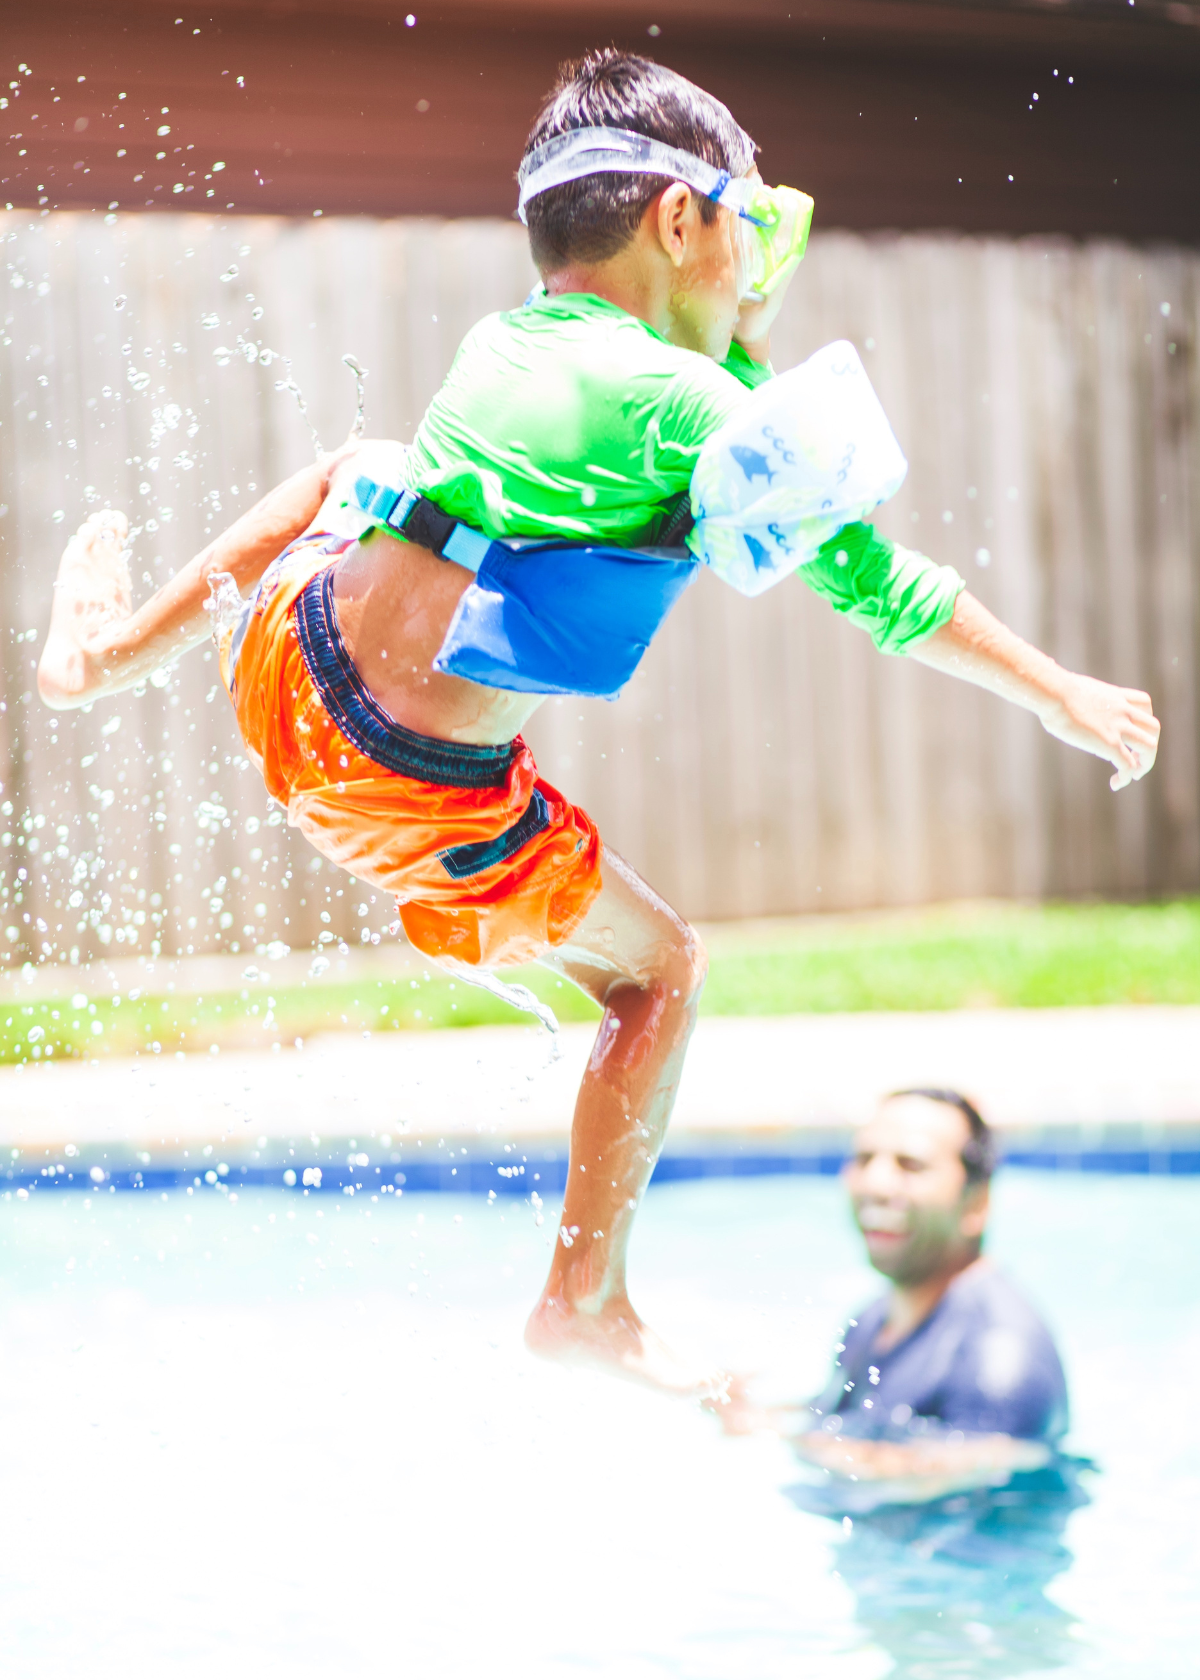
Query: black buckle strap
409, 514
679, 523
428, 526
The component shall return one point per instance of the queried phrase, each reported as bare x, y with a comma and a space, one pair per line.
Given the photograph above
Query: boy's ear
674, 212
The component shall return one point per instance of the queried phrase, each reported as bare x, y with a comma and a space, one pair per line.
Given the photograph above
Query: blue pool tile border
545, 1176
1181, 1163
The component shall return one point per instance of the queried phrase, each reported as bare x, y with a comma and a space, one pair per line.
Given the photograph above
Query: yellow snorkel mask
771, 224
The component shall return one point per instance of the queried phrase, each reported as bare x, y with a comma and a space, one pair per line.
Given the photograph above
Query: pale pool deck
1067, 1080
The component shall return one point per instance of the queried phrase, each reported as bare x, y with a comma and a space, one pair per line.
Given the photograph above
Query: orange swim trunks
489, 864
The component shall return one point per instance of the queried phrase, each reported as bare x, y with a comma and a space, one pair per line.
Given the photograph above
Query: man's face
908, 1188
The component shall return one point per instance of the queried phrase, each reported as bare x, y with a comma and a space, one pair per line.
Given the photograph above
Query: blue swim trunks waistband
363, 720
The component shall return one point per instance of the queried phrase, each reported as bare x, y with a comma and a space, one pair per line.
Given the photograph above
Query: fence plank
765, 759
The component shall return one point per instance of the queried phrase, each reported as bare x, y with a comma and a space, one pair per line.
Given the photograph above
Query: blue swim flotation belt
543, 616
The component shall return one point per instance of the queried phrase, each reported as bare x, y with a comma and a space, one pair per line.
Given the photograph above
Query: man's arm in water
98, 644
1117, 724
912, 1472
905, 1472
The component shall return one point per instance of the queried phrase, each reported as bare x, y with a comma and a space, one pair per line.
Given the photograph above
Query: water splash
360, 374
252, 351
289, 384
224, 604
509, 991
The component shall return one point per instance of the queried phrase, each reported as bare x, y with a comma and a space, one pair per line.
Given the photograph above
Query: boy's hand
756, 316
1113, 723
1117, 724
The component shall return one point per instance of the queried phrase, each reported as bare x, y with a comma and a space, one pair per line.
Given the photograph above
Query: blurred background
204, 206
335, 1229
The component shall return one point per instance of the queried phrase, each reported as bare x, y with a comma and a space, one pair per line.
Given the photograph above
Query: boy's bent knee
683, 966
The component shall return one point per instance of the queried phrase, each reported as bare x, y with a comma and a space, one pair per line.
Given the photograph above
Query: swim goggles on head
771, 223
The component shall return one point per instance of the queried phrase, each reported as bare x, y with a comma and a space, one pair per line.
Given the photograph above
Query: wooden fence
766, 759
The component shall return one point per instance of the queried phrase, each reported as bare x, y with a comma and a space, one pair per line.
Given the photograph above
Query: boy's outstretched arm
99, 645
1113, 723
909, 605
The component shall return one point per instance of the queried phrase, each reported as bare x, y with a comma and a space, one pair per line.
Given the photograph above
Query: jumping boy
580, 417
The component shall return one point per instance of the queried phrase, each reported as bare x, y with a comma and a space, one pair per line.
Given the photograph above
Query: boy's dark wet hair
979, 1151
591, 219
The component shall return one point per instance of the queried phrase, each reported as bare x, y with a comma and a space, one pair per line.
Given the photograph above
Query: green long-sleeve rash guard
570, 417
898, 596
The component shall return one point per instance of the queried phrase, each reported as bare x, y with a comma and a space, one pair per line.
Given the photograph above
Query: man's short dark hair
979, 1152
591, 219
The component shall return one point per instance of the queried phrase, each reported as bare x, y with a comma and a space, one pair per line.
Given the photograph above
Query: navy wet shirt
982, 1362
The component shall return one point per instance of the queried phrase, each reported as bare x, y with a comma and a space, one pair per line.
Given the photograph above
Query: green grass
255, 1017
947, 958
1044, 957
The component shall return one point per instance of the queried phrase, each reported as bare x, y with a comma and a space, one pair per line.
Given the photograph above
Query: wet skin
394, 602
631, 952
923, 1225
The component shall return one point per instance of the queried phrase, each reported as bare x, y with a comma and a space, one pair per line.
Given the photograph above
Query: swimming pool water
300, 1436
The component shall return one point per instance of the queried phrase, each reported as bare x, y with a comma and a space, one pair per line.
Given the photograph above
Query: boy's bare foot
92, 589
613, 1339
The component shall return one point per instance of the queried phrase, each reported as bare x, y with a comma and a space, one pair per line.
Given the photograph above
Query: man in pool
950, 1380
579, 416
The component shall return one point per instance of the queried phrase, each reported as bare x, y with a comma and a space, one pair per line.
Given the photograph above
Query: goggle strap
620, 151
